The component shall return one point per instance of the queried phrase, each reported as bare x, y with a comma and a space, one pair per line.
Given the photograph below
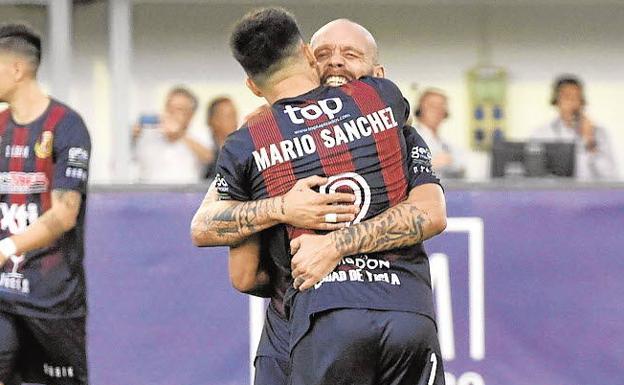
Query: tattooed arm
228, 223
60, 218
420, 217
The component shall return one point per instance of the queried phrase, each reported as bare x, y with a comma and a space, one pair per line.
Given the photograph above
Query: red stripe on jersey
388, 142
279, 178
16, 163
46, 165
4, 119
264, 131
335, 160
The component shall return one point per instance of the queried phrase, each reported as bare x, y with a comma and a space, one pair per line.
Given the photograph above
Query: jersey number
359, 187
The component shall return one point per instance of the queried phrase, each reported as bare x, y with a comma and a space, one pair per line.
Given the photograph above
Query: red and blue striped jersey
50, 153
354, 135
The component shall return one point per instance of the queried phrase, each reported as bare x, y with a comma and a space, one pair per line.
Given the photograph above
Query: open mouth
336, 80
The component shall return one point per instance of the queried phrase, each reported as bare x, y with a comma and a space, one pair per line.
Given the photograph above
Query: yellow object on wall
487, 87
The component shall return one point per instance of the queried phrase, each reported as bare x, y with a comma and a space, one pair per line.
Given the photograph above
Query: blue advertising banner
528, 288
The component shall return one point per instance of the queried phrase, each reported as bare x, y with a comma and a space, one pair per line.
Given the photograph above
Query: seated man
594, 159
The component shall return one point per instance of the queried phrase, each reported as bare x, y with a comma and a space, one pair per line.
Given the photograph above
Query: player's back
353, 135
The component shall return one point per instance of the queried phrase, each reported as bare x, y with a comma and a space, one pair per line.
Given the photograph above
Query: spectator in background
594, 159
222, 120
166, 152
431, 111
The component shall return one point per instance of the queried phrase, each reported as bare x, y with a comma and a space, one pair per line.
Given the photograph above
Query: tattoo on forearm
240, 219
399, 226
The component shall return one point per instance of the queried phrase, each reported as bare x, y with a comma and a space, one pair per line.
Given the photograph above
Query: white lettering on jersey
329, 107
15, 217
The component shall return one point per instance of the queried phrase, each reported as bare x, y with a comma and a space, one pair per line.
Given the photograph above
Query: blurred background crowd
487, 80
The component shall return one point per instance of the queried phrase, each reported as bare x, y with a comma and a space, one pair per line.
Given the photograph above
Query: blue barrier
163, 312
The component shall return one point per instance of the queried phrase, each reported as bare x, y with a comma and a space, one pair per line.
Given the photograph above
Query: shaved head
346, 31
345, 51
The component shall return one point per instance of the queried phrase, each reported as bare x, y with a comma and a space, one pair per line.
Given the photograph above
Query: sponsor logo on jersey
16, 151
16, 182
223, 189
76, 173
13, 280
421, 157
43, 148
16, 217
329, 107
56, 371
78, 157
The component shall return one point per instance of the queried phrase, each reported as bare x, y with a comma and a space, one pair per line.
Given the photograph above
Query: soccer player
380, 183
44, 169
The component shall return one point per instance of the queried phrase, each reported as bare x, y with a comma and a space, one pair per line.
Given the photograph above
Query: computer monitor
533, 159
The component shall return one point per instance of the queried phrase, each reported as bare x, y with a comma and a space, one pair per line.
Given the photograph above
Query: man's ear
253, 87
309, 55
379, 71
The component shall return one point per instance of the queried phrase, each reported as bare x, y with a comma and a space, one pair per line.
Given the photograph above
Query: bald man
345, 51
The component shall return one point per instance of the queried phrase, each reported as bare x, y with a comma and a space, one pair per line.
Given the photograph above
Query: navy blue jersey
49, 153
353, 135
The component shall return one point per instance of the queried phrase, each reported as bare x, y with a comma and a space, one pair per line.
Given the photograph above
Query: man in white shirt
594, 159
431, 111
167, 152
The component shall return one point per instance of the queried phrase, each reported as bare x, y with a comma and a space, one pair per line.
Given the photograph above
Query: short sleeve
72, 153
231, 179
419, 157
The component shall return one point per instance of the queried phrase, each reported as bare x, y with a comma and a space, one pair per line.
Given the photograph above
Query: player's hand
308, 209
314, 256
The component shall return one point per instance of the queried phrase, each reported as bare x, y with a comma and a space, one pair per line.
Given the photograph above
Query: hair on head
263, 38
21, 39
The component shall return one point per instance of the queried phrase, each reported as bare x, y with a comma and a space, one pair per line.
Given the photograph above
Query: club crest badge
43, 148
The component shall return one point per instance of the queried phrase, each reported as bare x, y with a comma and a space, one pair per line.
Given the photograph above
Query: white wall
421, 45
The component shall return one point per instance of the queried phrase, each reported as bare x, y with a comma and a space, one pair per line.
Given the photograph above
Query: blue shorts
368, 347
272, 358
42, 351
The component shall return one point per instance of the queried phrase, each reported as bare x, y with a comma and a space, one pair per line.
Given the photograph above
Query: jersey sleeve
419, 157
391, 93
72, 153
231, 178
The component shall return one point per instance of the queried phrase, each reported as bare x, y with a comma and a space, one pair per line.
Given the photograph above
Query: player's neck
291, 84
28, 103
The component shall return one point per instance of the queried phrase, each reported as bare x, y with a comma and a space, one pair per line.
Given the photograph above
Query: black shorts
368, 347
272, 358
43, 351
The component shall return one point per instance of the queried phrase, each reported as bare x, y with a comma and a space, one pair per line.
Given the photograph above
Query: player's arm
229, 222
421, 216
56, 221
247, 274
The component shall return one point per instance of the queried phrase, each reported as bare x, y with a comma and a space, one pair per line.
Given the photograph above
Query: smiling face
345, 51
